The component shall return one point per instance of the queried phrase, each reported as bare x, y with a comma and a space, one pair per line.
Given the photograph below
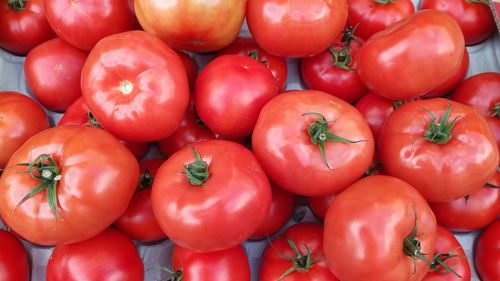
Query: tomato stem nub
439, 260
384, 2
495, 111
92, 121
196, 172
17, 5
255, 55
440, 131
175, 275
412, 247
145, 180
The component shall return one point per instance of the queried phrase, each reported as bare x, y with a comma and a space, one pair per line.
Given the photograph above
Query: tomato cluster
388, 144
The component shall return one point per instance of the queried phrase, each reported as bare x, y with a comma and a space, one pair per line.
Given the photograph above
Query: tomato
361, 237
301, 243
80, 180
449, 85
190, 66
247, 46
84, 23
230, 264
23, 25
53, 71
217, 202
376, 110
230, 93
107, 256
14, 261
312, 143
79, 114
192, 25
373, 16
299, 28
442, 148
450, 252
474, 17
20, 118
319, 205
413, 56
139, 222
136, 86
487, 254
482, 92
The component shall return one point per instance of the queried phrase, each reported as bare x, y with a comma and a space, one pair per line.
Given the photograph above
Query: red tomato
107, 256
301, 244
373, 16
299, 28
362, 237
230, 93
14, 261
247, 46
376, 110
84, 23
136, 86
20, 118
53, 70
487, 254
442, 148
23, 26
217, 202
474, 17
81, 181
192, 25
190, 66
482, 92
312, 143
139, 222
319, 205
230, 264
452, 82
413, 56
450, 252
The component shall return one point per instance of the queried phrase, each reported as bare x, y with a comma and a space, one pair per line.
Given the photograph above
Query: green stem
439, 260
495, 111
348, 34
92, 121
384, 2
196, 172
341, 58
412, 247
485, 2
255, 55
17, 5
440, 131
145, 180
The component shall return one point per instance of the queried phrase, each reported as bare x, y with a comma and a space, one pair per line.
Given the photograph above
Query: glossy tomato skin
413, 56
306, 237
229, 264
475, 18
221, 213
230, 93
319, 205
23, 30
108, 256
217, 22
284, 148
361, 237
14, 261
84, 23
295, 28
53, 70
449, 85
20, 118
487, 254
139, 222
141, 98
94, 168
482, 92
376, 110
441, 172
190, 66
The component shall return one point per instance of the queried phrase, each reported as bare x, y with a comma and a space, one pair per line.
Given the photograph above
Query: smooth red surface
449, 85
14, 261
190, 66
487, 254
319, 205
376, 110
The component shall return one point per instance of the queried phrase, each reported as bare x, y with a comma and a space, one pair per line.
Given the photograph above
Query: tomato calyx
196, 172
255, 56
45, 170
384, 2
440, 131
92, 121
319, 132
412, 247
495, 111
341, 57
175, 275
439, 260
145, 180
17, 5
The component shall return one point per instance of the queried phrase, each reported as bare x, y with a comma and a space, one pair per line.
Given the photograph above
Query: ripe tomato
312, 143
190, 66
474, 17
107, 256
84, 23
136, 86
79, 181
230, 93
299, 28
449, 85
14, 261
23, 26
361, 237
487, 254
482, 92
53, 70
376, 15
376, 110
20, 118
297, 255
230, 264
139, 222
192, 25
319, 205
217, 202
413, 56
441, 147
247, 46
